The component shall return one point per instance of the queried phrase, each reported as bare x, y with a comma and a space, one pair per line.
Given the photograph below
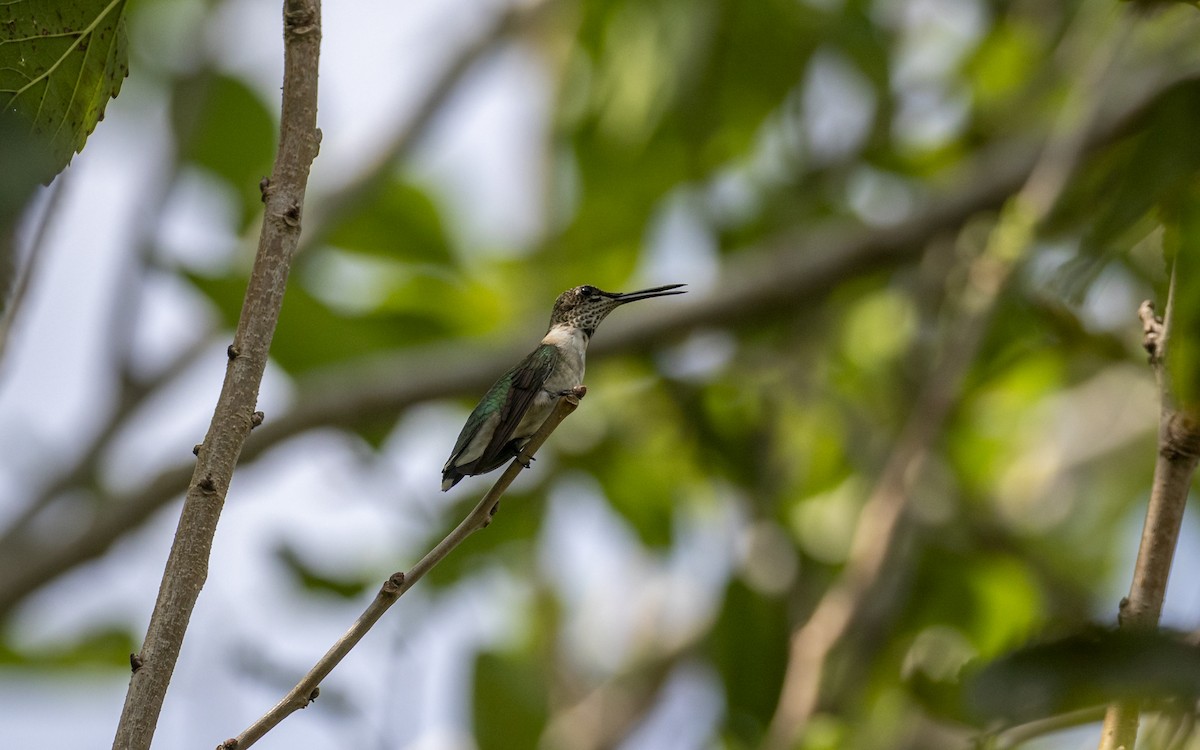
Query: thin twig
1015, 736
24, 272
307, 689
187, 565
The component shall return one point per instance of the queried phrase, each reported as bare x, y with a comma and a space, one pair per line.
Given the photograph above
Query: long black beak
658, 291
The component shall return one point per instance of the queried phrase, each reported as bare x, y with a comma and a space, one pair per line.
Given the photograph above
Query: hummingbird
521, 400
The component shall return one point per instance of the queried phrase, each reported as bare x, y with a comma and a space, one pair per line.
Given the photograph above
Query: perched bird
521, 400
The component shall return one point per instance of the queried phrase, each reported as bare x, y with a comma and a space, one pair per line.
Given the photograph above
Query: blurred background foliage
824, 175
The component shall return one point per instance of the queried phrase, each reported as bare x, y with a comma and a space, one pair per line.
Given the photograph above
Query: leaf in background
749, 647
1084, 669
1181, 244
308, 576
311, 334
105, 646
402, 222
60, 63
510, 701
220, 124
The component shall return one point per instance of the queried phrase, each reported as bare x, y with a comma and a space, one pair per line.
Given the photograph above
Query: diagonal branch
306, 691
187, 565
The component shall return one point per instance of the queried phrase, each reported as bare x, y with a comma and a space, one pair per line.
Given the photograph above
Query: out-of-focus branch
784, 274
187, 565
881, 519
307, 689
15, 278
333, 209
1178, 454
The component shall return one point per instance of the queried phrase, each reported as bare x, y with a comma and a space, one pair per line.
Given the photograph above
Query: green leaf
510, 701
60, 62
222, 126
346, 587
107, 646
748, 645
311, 334
402, 222
1084, 669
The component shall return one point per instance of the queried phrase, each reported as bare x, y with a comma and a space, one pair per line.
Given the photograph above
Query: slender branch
1017, 735
187, 565
1178, 454
19, 275
786, 273
307, 689
881, 518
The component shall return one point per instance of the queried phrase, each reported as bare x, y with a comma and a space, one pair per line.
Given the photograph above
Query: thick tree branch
187, 565
307, 689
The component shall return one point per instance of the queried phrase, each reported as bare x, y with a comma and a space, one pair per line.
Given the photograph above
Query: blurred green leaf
311, 334
222, 125
106, 647
749, 647
1085, 669
313, 579
400, 222
60, 63
1181, 243
509, 703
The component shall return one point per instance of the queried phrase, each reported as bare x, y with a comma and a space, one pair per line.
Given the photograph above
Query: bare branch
1178, 454
307, 689
187, 565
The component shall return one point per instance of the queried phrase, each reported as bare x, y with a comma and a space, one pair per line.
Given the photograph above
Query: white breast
572, 346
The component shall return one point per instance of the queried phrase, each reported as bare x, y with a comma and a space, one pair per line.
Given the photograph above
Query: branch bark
307, 690
187, 565
1178, 454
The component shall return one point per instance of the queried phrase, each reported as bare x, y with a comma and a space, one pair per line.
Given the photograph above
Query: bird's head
583, 307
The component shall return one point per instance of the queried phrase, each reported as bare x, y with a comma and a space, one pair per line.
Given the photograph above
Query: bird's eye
588, 291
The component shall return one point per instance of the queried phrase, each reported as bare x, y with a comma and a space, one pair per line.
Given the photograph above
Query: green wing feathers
499, 412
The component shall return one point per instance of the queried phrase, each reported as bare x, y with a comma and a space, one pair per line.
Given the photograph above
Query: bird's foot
578, 391
524, 460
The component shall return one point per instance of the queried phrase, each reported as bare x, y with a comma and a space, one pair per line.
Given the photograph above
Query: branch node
233, 352
196, 449
256, 419
393, 586
299, 20
264, 188
135, 663
291, 216
1152, 330
229, 744
1181, 438
207, 484
312, 696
